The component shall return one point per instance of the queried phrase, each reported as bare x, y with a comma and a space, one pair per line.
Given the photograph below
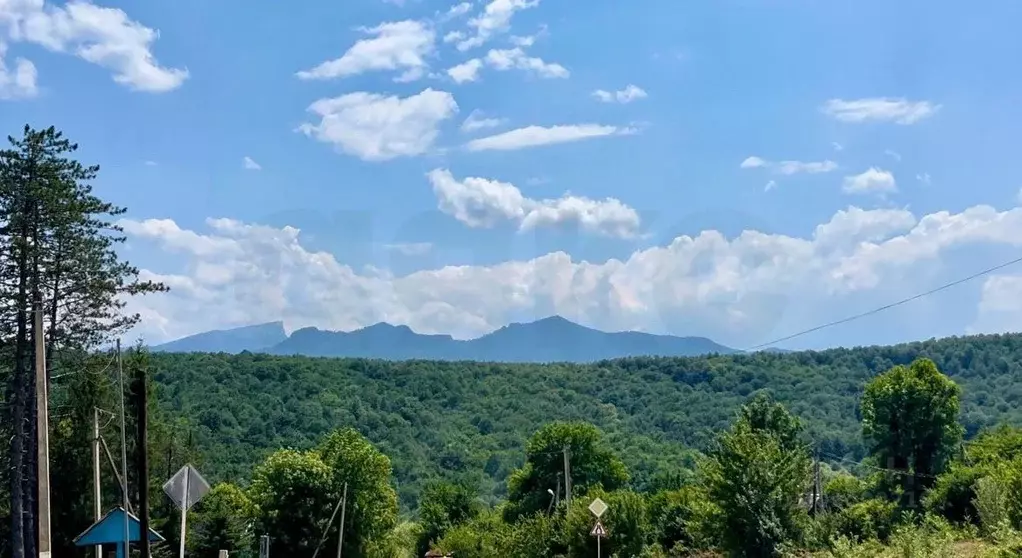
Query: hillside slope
466, 417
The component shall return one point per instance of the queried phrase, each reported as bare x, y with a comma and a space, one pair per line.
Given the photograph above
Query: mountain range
553, 339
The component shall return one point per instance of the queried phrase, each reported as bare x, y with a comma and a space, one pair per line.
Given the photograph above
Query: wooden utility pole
124, 454
97, 497
43, 425
567, 476
142, 400
340, 529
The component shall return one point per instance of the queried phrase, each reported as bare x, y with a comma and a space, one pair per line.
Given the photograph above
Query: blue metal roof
110, 530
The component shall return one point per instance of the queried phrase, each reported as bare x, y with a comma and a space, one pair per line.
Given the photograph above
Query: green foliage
592, 464
292, 491
843, 491
683, 519
757, 475
952, 495
626, 521
870, 519
372, 502
910, 421
442, 506
222, 520
991, 504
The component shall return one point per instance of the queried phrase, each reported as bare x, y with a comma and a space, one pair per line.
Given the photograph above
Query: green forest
906, 451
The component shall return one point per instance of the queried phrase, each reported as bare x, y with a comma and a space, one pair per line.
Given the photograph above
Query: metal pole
567, 477
340, 530
124, 453
184, 515
598, 553
43, 425
97, 502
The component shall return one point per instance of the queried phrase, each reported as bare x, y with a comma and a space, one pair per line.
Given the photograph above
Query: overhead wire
886, 306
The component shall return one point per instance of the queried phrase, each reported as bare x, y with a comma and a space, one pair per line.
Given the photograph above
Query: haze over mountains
552, 339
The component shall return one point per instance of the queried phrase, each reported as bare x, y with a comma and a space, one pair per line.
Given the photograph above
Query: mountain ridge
550, 339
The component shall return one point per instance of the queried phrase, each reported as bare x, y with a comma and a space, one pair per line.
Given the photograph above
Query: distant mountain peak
550, 339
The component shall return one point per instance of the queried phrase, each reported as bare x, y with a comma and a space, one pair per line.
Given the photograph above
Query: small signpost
598, 507
185, 489
264, 546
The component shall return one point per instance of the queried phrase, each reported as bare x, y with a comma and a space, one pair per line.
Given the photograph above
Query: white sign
598, 507
186, 487
599, 531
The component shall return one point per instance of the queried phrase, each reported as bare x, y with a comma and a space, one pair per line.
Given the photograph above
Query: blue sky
605, 141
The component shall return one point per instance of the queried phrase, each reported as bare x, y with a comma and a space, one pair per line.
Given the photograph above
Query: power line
888, 306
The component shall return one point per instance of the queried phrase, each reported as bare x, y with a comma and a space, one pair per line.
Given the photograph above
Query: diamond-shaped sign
186, 487
598, 507
599, 531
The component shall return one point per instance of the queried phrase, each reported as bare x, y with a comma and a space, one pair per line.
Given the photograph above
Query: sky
740, 170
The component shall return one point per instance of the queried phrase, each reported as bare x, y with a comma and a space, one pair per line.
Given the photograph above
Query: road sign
186, 487
598, 507
599, 531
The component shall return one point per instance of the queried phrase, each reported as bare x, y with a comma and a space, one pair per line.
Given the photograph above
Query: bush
869, 519
683, 519
953, 494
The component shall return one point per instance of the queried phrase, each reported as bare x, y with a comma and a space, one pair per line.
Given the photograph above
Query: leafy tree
372, 502
294, 494
910, 422
592, 464
444, 505
757, 475
681, 520
223, 520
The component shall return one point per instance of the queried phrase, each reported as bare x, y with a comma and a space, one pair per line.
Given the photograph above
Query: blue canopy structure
110, 530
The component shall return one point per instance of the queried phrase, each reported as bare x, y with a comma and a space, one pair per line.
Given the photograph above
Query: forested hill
467, 418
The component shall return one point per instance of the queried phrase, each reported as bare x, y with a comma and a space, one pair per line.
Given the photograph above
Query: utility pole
567, 476
97, 498
43, 425
816, 482
124, 454
142, 398
340, 529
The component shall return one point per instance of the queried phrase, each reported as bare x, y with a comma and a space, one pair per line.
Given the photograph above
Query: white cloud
884, 109
249, 164
874, 180
18, 82
477, 121
458, 10
893, 154
837, 146
788, 168
401, 45
515, 58
532, 136
494, 20
924, 178
375, 127
466, 71
103, 36
739, 291
410, 248
770, 186
453, 37
626, 95
151, 163
480, 202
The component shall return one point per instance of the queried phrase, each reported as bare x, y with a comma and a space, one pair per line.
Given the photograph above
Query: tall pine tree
57, 256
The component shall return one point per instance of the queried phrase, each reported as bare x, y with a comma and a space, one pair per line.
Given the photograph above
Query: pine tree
58, 257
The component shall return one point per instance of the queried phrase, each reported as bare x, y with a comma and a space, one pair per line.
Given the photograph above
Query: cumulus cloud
624, 96
532, 136
880, 109
466, 71
507, 59
741, 291
479, 121
103, 36
494, 20
400, 45
481, 202
249, 164
18, 82
515, 58
874, 180
375, 127
789, 168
